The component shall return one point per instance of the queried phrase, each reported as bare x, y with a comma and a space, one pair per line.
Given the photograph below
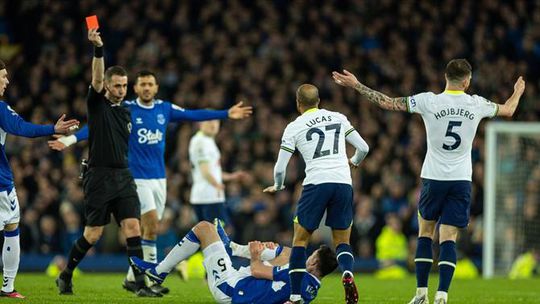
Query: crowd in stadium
210, 54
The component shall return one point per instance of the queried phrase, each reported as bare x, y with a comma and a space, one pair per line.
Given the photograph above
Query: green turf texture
106, 288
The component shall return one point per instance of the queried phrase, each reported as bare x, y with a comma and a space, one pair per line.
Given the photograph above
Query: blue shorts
208, 212
335, 199
447, 201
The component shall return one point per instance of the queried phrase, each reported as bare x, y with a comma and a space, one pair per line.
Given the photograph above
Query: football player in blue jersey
149, 119
12, 123
266, 280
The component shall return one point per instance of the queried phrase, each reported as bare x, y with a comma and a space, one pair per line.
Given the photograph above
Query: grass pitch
106, 288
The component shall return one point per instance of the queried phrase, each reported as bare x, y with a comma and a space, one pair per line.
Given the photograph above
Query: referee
108, 185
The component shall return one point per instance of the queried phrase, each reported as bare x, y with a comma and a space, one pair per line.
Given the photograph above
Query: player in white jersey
451, 119
208, 192
320, 135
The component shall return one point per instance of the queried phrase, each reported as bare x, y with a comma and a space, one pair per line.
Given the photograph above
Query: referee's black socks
134, 248
77, 253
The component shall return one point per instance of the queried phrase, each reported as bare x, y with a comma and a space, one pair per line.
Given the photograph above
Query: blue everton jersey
147, 138
277, 291
12, 123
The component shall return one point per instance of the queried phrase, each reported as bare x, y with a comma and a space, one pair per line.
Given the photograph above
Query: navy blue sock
447, 264
345, 257
423, 261
297, 269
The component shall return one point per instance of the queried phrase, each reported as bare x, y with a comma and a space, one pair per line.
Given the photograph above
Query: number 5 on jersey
450, 133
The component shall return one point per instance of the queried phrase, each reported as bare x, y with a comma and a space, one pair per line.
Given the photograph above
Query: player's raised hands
57, 144
238, 111
94, 37
347, 79
64, 126
519, 86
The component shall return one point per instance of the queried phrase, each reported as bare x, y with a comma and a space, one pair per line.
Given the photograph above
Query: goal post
512, 152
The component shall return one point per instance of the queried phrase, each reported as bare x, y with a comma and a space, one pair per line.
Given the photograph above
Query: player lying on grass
266, 280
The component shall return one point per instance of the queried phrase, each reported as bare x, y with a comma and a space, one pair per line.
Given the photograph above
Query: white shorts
9, 208
152, 194
221, 274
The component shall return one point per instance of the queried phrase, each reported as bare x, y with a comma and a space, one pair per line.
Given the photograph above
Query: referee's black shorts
109, 190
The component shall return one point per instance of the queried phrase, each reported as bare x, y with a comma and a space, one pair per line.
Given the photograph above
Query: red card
92, 22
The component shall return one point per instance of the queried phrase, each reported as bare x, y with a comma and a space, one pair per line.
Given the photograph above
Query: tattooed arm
349, 80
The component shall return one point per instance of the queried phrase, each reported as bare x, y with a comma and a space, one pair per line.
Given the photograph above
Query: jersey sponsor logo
317, 120
148, 137
161, 119
138, 121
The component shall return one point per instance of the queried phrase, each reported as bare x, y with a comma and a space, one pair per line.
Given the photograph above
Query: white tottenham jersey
203, 149
319, 135
451, 119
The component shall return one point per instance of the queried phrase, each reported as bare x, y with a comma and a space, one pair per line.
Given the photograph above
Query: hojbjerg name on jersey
149, 137
453, 112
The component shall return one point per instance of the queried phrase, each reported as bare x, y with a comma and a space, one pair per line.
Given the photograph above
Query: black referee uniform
108, 184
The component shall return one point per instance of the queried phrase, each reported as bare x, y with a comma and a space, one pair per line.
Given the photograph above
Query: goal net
512, 197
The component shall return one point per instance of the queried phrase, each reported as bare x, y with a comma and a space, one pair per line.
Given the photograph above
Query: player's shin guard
297, 269
447, 264
345, 258
10, 258
149, 250
423, 261
188, 246
134, 249
77, 253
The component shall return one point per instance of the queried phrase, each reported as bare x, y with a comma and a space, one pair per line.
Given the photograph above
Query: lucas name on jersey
318, 120
454, 112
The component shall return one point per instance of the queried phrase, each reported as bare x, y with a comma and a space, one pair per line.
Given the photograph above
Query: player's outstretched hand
94, 37
347, 79
64, 126
238, 111
272, 189
519, 86
57, 144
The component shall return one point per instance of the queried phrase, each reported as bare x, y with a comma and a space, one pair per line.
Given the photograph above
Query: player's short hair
114, 70
307, 95
145, 73
458, 69
2, 65
327, 260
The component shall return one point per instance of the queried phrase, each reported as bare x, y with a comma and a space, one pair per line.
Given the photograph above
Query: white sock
240, 250
149, 250
422, 291
180, 252
442, 295
270, 254
243, 252
10, 258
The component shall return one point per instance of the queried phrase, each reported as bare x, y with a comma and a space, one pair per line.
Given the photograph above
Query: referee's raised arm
98, 63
